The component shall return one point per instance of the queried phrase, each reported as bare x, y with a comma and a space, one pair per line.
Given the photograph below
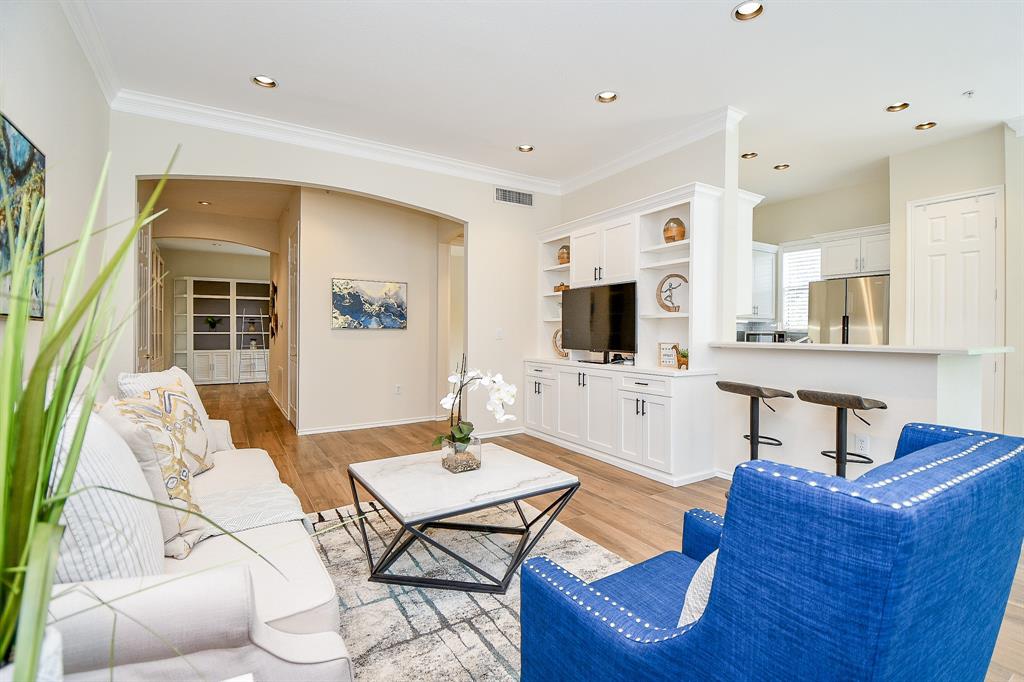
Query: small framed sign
667, 356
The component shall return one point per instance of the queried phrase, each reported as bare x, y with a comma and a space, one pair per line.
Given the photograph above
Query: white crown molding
1017, 125
83, 25
718, 121
180, 111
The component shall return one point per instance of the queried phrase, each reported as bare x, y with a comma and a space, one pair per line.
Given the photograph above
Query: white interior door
292, 324
955, 284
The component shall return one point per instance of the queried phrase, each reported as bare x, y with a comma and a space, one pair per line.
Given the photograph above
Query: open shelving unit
235, 347
552, 273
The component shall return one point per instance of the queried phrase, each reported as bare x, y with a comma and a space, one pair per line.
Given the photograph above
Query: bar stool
755, 393
843, 402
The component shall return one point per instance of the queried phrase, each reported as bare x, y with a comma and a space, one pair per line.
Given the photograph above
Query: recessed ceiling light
749, 155
899, 106
264, 81
928, 125
745, 11
525, 148
781, 166
203, 203
606, 97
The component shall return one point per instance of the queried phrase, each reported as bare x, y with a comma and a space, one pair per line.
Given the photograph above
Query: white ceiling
472, 80
207, 246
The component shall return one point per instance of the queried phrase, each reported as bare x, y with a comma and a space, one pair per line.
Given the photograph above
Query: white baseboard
653, 474
367, 425
499, 432
277, 402
722, 473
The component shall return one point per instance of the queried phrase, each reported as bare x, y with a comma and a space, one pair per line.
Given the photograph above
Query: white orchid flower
454, 379
448, 401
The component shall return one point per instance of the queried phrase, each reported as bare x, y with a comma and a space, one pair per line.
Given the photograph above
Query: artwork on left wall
24, 173
368, 304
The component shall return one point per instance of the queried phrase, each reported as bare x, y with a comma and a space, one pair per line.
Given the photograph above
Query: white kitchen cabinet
211, 367
762, 280
854, 256
541, 406
631, 429
874, 253
656, 413
603, 254
840, 257
569, 412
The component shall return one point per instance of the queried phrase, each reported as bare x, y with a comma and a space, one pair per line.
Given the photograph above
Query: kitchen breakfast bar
954, 386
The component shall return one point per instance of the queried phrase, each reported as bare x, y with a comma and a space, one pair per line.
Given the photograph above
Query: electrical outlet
499, 335
862, 443
398, 389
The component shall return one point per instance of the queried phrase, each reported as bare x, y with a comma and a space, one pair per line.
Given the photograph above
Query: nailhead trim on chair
921, 496
930, 465
709, 516
634, 635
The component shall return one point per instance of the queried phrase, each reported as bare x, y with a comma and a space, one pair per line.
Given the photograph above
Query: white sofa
221, 612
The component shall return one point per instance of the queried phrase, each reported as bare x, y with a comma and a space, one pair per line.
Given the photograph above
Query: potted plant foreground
460, 449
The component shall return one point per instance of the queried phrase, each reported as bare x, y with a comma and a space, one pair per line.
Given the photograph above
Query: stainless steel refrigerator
850, 310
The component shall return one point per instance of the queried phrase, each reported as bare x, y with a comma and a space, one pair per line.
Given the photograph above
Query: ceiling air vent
511, 196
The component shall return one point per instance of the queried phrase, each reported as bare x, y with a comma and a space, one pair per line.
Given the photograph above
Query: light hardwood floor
632, 516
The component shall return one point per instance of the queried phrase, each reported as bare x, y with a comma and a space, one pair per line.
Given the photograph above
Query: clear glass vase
459, 457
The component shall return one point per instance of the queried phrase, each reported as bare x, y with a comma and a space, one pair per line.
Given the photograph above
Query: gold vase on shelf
674, 230
563, 254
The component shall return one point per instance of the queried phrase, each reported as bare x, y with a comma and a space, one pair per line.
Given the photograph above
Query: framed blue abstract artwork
368, 304
23, 169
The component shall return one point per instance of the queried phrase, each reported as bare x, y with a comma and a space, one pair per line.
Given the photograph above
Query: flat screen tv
600, 319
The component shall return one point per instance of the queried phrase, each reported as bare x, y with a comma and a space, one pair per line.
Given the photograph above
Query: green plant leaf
42, 559
438, 440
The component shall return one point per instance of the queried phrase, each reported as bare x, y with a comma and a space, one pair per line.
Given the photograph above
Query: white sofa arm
220, 435
157, 617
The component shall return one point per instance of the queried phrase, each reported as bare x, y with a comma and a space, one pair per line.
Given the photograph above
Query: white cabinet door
541, 405
202, 367
840, 257
874, 253
220, 367
618, 254
600, 412
762, 276
656, 415
584, 257
549, 405
631, 440
569, 415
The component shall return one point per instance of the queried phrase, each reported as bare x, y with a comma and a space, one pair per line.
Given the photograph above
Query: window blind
799, 268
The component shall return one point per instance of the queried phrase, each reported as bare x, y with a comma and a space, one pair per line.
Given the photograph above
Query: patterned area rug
401, 633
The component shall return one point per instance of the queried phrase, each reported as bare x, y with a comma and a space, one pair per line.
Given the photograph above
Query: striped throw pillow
106, 534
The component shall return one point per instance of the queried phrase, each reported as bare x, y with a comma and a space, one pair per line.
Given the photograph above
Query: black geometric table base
410, 532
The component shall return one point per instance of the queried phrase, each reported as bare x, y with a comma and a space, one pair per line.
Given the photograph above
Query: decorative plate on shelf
556, 343
667, 289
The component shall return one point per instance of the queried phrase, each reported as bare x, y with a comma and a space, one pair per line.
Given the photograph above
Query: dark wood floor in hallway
632, 516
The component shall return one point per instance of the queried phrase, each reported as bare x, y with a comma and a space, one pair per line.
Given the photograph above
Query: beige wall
180, 263
701, 161
278, 362
501, 240
960, 165
836, 209
260, 234
1014, 172
48, 90
347, 377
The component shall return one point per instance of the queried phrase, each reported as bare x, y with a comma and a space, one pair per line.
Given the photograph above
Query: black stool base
854, 457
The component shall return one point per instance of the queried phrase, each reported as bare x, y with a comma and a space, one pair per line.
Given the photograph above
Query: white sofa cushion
130, 385
139, 421
107, 534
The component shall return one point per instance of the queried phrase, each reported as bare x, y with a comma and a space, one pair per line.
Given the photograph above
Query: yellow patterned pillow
169, 408
154, 426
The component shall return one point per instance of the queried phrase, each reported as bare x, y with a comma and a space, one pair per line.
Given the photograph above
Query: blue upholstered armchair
902, 574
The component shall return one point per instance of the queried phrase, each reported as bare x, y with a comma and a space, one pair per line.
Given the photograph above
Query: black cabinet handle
536, 387
640, 383
584, 380
579, 379
643, 408
600, 272
538, 370
638, 405
595, 274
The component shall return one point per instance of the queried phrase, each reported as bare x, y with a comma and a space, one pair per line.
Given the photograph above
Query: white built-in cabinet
851, 256
640, 420
762, 282
603, 254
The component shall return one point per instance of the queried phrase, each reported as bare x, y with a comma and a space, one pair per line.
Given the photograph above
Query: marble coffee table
421, 495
